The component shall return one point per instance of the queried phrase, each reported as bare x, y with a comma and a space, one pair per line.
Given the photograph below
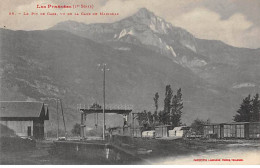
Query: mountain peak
148, 18
144, 13
144, 10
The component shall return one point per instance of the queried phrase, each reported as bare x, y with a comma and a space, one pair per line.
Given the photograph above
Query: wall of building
136, 132
162, 131
19, 127
38, 129
178, 132
254, 130
148, 134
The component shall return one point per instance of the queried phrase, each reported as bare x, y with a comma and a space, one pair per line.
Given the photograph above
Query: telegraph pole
104, 69
57, 110
63, 119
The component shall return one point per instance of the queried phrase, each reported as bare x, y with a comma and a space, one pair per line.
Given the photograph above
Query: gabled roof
31, 109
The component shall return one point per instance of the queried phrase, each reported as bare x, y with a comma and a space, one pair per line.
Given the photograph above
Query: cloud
207, 24
123, 7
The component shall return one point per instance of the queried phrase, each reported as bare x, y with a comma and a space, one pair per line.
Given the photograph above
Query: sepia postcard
130, 82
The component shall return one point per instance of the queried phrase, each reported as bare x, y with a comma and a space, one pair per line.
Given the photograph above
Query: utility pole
57, 110
63, 119
104, 69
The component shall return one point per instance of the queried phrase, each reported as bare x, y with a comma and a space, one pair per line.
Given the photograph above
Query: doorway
29, 131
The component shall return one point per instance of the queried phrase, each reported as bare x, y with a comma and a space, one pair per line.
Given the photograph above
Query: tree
167, 105
95, 106
156, 98
150, 118
155, 115
76, 129
170, 115
161, 117
143, 120
156, 118
255, 117
176, 109
245, 110
197, 126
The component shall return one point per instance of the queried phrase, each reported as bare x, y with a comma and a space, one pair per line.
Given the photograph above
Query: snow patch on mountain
193, 48
171, 50
152, 26
158, 25
125, 32
243, 85
123, 48
193, 63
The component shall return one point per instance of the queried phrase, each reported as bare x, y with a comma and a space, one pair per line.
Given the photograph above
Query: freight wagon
235, 130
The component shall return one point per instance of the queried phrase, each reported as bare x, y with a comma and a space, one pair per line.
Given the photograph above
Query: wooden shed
25, 118
212, 130
162, 130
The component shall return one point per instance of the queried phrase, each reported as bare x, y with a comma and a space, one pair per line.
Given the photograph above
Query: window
240, 131
227, 131
210, 129
232, 130
216, 130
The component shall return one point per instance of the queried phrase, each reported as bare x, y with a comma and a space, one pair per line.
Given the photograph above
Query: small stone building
179, 131
25, 119
162, 130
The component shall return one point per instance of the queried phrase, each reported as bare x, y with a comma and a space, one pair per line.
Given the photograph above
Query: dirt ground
153, 150
160, 151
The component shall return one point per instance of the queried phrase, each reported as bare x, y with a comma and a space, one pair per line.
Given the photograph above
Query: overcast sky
236, 22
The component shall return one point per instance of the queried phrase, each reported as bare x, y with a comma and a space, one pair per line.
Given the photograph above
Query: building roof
181, 128
116, 111
230, 123
25, 109
235, 123
159, 126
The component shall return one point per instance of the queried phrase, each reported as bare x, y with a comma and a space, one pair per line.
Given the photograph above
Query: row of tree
170, 115
249, 110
